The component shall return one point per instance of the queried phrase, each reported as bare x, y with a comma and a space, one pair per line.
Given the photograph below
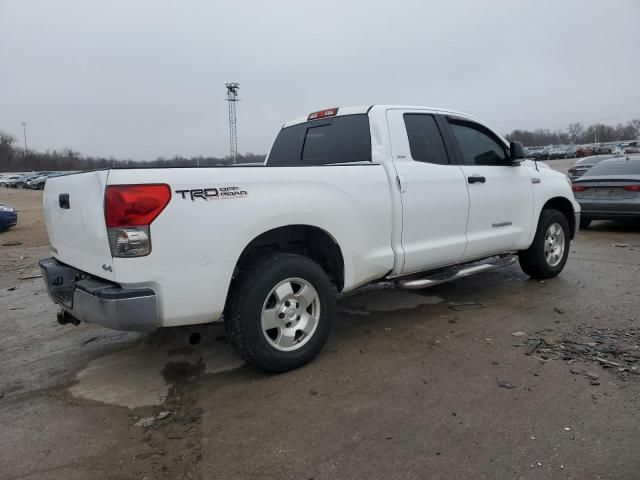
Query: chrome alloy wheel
290, 314
554, 244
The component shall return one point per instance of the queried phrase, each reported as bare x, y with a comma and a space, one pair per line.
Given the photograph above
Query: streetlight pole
24, 133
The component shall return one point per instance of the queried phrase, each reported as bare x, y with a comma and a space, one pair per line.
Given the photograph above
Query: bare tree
6, 139
635, 124
576, 130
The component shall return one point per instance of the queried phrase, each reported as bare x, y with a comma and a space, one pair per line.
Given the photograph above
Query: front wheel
548, 253
280, 311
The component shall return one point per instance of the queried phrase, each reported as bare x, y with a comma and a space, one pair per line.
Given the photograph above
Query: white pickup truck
346, 196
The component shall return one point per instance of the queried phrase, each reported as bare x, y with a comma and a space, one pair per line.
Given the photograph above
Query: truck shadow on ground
133, 377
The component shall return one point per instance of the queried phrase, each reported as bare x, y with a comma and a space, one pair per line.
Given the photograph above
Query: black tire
533, 260
244, 309
584, 223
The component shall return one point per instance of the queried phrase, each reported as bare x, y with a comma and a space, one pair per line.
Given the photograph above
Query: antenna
232, 98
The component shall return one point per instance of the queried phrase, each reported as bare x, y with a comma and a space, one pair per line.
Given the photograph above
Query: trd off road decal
212, 193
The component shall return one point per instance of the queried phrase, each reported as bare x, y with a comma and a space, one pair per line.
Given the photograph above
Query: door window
425, 141
477, 145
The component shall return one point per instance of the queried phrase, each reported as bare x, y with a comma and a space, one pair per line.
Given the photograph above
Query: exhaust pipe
65, 317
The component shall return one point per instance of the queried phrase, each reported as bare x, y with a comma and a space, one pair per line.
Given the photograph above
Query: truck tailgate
74, 214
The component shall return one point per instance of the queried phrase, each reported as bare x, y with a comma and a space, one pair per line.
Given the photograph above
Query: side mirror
517, 152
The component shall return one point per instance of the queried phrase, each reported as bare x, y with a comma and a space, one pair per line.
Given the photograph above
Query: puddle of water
133, 377
386, 300
130, 378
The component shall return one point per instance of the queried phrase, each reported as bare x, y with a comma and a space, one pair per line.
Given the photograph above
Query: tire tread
532, 260
246, 282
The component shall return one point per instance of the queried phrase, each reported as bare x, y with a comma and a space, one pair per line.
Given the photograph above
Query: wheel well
566, 208
312, 242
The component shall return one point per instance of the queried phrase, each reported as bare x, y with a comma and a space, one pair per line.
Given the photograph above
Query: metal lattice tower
232, 99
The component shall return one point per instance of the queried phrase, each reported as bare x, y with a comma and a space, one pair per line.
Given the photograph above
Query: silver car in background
610, 190
584, 164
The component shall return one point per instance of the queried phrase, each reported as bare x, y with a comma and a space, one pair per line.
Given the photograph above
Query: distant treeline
576, 134
13, 159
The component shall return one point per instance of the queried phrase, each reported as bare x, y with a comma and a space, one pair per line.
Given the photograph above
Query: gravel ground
493, 376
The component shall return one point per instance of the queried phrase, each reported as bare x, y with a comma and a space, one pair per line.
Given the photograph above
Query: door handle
401, 183
476, 179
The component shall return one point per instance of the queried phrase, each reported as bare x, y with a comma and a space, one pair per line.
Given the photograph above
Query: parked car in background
633, 147
584, 152
544, 154
32, 178
610, 190
37, 183
534, 152
22, 181
8, 180
16, 180
556, 153
584, 164
606, 148
570, 151
8, 216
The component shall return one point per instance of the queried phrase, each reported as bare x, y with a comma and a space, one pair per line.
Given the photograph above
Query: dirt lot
31, 230
495, 376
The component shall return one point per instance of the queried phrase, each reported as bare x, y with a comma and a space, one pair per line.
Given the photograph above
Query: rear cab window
425, 140
341, 139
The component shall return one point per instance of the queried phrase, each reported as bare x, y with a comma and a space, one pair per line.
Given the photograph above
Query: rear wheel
585, 222
548, 253
280, 311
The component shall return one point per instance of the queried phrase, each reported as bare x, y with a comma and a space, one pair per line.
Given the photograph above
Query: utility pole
232, 99
24, 133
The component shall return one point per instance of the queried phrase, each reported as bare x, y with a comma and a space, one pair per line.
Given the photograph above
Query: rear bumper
610, 210
599, 215
93, 300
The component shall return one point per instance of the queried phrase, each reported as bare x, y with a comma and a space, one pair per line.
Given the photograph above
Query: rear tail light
578, 188
632, 188
128, 212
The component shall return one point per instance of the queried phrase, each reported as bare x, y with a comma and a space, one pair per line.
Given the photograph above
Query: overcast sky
142, 79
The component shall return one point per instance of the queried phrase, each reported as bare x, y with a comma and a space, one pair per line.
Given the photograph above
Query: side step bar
416, 282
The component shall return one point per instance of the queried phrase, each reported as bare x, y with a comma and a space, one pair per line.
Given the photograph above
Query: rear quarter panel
196, 243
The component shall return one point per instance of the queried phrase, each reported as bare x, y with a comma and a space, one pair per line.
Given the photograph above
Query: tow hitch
65, 317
